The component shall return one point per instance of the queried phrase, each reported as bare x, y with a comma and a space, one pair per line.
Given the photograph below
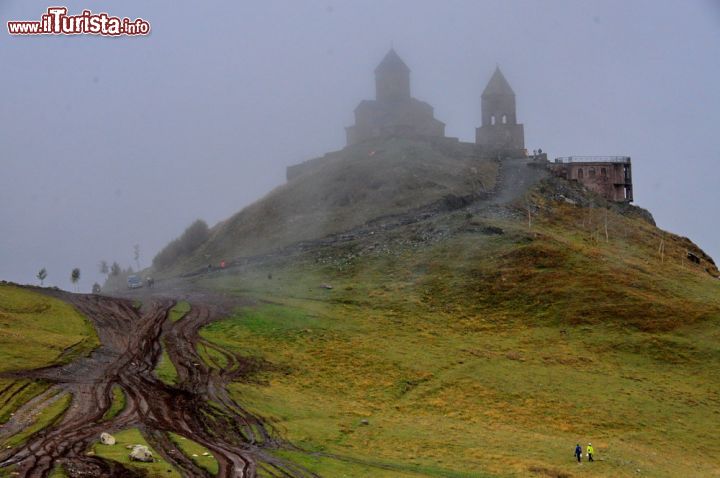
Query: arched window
592, 172
580, 173
492, 119
603, 172
504, 119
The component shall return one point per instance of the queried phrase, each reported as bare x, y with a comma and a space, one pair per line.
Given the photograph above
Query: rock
206, 454
107, 439
141, 453
326, 286
364, 421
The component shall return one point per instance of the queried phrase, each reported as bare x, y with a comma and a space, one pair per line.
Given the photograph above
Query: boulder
141, 453
107, 439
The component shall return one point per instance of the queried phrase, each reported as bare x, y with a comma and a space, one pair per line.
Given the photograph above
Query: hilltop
348, 188
481, 326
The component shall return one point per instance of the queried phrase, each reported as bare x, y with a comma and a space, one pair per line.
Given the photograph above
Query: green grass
58, 472
117, 405
179, 311
165, 370
36, 331
45, 418
195, 452
340, 468
120, 454
17, 392
488, 355
212, 357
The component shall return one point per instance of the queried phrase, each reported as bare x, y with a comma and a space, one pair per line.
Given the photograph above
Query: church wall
501, 136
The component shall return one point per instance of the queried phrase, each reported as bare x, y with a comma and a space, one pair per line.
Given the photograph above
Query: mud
198, 407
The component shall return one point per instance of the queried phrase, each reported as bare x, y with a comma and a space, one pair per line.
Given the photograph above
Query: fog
110, 142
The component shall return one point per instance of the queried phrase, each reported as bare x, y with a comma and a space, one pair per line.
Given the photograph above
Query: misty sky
109, 142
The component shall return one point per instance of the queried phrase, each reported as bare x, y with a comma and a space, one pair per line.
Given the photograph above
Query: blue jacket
578, 450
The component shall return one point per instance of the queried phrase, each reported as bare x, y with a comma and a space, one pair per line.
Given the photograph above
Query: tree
115, 269
104, 268
190, 240
75, 277
42, 275
136, 254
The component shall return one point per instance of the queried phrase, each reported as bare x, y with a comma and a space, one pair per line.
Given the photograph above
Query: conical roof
498, 85
391, 62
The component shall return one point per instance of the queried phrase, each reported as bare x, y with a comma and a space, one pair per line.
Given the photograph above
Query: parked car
134, 281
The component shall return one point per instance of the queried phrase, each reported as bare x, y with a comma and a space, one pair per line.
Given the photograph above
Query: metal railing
594, 159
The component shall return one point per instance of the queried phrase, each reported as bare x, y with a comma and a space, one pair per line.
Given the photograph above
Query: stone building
393, 112
609, 176
500, 132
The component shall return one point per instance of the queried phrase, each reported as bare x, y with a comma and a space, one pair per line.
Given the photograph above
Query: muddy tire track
198, 407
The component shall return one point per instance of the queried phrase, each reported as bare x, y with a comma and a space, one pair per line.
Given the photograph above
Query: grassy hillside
489, 343
346, 189
36, 331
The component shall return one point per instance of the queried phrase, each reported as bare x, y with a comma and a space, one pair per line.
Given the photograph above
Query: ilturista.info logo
56, 21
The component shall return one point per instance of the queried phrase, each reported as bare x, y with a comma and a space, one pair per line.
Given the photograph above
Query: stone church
394, 112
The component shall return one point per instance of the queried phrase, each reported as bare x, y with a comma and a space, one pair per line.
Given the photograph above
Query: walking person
578, 453
590, 451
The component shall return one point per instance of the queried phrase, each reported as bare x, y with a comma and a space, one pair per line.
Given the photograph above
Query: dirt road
198, 407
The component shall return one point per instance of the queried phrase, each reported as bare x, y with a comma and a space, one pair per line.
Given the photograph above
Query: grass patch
15, 393
212, 357
117, 405
196, 453
37, 331
165, 370
58, 472
328, 466
179, 311
120, 454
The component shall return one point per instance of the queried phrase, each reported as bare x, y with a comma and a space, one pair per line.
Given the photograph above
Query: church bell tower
500, 130
392, 79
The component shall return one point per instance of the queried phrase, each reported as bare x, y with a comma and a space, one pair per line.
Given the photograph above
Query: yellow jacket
590, 450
